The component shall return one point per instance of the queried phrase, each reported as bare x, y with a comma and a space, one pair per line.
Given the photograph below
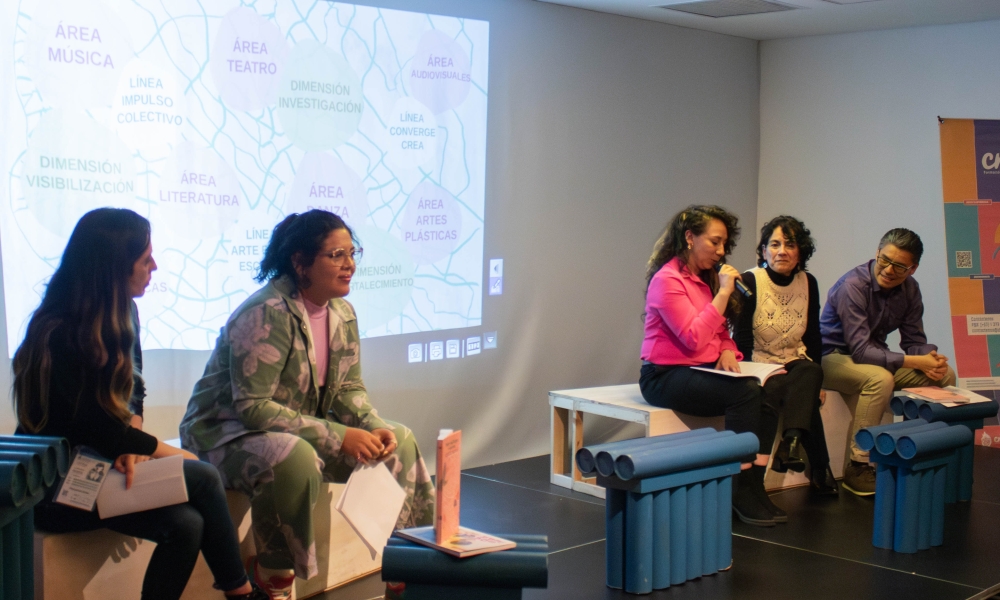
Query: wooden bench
625, 403
621, 402
102, 564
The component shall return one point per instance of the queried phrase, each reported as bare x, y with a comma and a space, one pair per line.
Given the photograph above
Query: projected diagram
216, 121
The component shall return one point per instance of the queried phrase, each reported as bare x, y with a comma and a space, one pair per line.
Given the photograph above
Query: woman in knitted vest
779, 324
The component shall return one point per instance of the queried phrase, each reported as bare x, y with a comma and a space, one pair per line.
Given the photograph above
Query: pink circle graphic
324, 182
440, 75
247, 60
432, 223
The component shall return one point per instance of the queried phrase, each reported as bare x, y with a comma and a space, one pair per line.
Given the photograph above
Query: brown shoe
859, 478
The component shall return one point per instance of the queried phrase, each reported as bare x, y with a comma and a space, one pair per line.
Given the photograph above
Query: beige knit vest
779, 322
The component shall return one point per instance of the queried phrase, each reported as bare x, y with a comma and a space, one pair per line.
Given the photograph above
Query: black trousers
796, 395
180, 532
702, 394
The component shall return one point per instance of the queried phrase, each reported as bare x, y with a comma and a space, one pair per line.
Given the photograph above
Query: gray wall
850, 143
600, 128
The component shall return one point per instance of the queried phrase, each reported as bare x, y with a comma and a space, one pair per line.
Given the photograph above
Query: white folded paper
156, 483
371, 503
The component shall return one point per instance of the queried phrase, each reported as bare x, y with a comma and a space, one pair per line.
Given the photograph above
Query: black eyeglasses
340, 255
897, 268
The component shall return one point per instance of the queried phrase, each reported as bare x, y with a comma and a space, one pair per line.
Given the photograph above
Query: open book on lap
759, 371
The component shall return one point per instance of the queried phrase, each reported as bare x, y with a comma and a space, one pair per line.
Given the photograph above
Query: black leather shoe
788, 456
823, 483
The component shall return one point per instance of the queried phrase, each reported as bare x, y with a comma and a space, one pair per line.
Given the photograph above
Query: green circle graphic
319, 100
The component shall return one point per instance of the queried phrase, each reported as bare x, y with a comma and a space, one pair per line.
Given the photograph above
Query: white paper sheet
156, 483
371, 503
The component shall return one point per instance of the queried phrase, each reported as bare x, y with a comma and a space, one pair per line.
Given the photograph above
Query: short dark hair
795, 231
905, 240
302, 235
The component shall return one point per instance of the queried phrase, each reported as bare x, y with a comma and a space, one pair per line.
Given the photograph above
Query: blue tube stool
668, 511
958, 482
430, 574
913, 459
28, 467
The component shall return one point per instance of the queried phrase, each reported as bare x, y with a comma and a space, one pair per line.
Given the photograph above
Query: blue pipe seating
668, 514
912, 459
29, 465
958, 485
430, 574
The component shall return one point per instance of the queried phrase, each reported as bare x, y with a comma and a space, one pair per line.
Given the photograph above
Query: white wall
600, 128
849, 140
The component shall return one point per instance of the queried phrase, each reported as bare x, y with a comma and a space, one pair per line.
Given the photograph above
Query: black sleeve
135, 403
813, 339
74, 411
743, 332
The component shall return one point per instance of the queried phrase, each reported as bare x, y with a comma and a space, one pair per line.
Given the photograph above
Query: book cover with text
465, 543
449, 478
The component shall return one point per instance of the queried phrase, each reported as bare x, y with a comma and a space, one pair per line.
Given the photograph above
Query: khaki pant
872, 386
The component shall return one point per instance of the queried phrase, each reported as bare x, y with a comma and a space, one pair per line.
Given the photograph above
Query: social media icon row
451, 348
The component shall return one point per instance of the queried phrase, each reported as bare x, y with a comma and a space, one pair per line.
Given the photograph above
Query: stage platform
824, 551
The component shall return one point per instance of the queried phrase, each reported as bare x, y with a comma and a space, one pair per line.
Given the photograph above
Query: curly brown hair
672, 242
694, 219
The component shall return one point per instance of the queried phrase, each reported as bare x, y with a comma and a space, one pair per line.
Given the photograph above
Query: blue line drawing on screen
216, 122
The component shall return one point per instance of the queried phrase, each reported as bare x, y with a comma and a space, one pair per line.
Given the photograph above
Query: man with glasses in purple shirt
862, 309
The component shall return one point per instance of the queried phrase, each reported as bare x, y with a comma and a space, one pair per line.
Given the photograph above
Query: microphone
739, 284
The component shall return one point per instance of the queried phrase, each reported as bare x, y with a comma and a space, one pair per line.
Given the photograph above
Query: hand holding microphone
736, 279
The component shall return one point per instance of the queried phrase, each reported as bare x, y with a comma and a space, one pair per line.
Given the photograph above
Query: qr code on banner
963, 259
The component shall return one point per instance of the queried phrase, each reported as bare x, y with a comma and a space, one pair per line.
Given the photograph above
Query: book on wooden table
448, 486
465, 543
759, 371
949, 396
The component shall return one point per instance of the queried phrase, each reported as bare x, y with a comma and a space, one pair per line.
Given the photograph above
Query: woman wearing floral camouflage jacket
277, 413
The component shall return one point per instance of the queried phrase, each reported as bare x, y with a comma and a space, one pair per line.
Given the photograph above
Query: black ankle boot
788, 456
746, 503
779, 515
823, 482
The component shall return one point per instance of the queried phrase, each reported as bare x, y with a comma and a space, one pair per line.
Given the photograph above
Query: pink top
320, 325
682, 327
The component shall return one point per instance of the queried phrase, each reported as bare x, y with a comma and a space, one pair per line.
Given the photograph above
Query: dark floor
824, 551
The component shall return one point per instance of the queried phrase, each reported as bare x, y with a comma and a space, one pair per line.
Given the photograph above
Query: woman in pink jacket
689, 298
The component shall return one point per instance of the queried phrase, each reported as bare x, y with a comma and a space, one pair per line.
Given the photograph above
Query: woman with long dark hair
74, 376
689, 296
282, 406
780, 325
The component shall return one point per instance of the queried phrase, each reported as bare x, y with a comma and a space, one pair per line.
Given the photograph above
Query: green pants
281, 473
